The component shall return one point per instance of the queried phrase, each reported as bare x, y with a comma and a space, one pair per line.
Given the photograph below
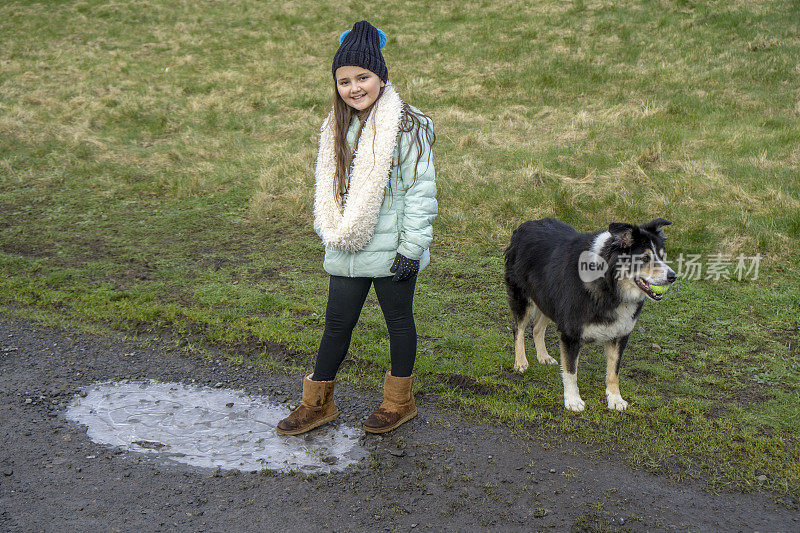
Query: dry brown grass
507, 148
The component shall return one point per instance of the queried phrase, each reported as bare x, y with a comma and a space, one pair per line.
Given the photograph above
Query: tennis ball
659, 289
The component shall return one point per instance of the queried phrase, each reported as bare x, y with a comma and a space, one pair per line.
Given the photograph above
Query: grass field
156, 174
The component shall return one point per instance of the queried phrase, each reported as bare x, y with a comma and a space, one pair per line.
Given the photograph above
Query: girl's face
358, 87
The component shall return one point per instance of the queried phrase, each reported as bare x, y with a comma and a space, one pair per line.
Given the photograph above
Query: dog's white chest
623, 325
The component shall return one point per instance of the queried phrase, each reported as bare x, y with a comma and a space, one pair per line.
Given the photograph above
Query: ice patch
213, 428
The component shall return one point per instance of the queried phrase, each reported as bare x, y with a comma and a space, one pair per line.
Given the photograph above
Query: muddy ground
439, 472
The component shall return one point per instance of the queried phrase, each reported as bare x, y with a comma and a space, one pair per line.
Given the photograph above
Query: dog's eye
645, 259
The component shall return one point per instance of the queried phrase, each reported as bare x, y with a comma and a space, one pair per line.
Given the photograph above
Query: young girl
374, 203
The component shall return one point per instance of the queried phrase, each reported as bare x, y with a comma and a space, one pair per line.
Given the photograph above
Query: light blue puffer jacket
405, 218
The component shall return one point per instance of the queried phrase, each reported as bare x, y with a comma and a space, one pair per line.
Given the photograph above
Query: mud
439, 472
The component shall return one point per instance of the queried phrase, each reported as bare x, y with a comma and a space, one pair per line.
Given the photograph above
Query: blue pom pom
344, 34
381, 38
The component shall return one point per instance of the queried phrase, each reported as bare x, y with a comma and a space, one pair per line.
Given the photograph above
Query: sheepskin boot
397, 407
316, 409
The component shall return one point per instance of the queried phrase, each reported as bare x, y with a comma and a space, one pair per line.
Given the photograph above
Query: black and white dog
592, 285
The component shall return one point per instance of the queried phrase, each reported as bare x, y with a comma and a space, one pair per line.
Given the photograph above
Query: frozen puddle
208, 427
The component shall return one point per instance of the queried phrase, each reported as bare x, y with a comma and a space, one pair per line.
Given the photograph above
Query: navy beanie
361, 47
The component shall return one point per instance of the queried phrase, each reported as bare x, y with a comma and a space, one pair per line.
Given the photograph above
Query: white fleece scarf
351, 228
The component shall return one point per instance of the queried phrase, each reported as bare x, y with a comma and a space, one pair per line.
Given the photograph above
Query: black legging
345, 299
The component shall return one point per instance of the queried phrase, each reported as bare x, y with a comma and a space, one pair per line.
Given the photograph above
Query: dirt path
450, 475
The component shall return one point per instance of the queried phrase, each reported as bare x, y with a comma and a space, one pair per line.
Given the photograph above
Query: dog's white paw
546, 359
616, 403
521, 367
574, 403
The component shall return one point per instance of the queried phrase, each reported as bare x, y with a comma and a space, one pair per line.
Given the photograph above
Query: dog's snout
671, 276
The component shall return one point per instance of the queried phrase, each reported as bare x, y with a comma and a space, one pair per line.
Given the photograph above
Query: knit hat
361, 47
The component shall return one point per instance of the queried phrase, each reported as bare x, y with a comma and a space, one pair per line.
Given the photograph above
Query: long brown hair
411, 121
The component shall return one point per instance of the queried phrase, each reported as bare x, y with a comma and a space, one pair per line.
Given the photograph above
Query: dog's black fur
544, 284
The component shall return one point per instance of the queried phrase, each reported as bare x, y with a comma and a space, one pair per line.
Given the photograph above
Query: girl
374, 203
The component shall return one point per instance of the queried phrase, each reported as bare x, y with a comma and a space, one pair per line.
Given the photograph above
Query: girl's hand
404, 268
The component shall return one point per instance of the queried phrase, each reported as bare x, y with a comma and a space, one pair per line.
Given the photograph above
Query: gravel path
436, 473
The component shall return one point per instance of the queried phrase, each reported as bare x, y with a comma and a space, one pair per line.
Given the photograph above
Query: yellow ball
659, 289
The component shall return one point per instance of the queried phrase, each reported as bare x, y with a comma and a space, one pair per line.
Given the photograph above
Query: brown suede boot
316, 409
397, 407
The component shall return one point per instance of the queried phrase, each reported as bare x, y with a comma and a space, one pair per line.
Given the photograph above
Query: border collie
592, 285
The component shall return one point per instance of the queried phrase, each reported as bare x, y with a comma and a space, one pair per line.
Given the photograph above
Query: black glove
404, 268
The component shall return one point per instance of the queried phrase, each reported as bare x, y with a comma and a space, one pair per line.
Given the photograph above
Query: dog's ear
622, 233
654, 226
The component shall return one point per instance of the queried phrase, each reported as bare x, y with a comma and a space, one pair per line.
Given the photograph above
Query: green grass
156, 174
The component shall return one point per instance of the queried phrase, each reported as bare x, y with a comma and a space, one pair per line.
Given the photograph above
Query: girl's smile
358, 87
